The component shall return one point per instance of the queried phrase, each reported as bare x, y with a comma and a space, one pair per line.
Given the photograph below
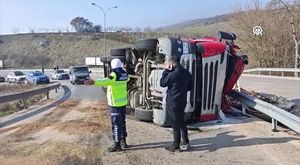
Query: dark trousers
118, 123
176, 115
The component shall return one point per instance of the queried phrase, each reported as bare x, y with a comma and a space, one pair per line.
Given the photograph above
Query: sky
23, 15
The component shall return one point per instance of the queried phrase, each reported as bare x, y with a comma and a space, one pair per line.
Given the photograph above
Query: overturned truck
213, 63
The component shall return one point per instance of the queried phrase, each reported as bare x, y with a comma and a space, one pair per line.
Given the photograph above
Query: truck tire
108, 59
118, 52
143, 114
146, 44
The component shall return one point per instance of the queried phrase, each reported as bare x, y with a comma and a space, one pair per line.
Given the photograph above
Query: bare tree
291, 10
147, 29
137, 29
272, 49
15, 30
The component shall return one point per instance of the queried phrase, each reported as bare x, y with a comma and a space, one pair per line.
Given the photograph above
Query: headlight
87, 78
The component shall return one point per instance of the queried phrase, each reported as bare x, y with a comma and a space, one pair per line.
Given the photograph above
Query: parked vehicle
37, 77
60, 75
78, 74
2, 79
213, 63
16, 77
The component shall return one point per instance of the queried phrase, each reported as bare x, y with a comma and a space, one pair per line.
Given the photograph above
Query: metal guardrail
282, 70
277, 114
25, 95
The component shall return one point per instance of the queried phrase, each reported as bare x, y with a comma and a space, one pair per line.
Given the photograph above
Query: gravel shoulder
77, 131
250, 142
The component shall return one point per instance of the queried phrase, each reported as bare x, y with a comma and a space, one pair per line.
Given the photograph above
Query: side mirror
227, 36
245, 59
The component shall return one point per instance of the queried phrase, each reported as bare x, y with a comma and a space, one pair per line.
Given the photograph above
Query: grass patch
15, 106
14, 88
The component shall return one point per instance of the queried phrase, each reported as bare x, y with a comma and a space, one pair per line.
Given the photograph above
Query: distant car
78, 74
16, 77
2, 79
60, 75
37, 77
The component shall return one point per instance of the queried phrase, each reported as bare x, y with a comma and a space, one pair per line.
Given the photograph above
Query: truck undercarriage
213, 63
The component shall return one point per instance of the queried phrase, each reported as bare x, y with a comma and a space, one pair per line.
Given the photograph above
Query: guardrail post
55, 90
47, 94
24, 103
274, 125
244, 109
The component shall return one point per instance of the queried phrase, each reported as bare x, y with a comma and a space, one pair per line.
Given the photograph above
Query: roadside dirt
71, 134
76, 132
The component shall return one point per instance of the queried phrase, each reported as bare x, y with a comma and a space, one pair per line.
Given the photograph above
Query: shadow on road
221, 140
67, 95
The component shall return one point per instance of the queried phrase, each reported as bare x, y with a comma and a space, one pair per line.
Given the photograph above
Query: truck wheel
143, 114
146, 44
118, 52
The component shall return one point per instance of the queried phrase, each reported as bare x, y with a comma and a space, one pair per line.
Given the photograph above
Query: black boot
115, 147
173, 148
123, 143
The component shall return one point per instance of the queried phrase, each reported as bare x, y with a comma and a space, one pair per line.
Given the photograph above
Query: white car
60, 75
16, 77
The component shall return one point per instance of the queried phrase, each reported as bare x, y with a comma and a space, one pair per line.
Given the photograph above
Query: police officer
179, 82
116, 84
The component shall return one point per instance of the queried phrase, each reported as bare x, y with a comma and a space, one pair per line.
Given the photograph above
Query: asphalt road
83, 92
77, 91
286, 87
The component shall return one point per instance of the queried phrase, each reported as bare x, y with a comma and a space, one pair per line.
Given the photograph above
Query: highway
78, 91
286, 87
248, 141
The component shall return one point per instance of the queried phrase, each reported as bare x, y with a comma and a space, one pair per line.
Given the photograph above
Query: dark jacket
179, 82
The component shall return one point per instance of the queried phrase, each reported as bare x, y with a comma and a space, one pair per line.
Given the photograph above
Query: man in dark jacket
179, 82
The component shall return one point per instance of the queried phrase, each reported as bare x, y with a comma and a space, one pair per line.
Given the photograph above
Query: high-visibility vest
116, 88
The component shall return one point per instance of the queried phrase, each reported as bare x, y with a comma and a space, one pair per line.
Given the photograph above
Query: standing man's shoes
123, 143
185, 146
172, 148
116, 147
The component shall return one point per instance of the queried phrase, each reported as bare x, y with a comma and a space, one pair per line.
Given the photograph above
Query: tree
82, 25
272, 49
97, 28
16, 30
291, 10
147, 29
137, 29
